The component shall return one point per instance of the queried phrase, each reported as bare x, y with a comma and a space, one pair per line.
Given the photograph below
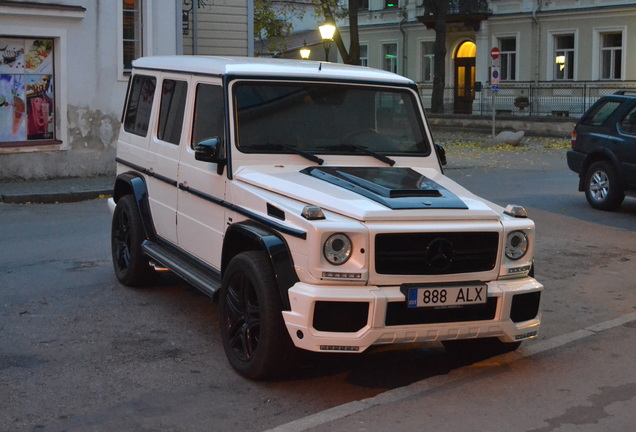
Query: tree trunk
440, 10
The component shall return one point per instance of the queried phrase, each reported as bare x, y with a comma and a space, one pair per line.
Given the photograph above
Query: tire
602, 186
255, 339
127, 233
479, 348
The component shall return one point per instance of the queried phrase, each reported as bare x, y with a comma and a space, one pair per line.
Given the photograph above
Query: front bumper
351, 319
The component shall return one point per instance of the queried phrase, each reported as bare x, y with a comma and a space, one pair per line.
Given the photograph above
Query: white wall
89, 83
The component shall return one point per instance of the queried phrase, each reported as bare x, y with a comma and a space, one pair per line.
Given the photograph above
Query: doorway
465, 78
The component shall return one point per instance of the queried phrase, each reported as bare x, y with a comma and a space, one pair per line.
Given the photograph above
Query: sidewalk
55, 190
464, 149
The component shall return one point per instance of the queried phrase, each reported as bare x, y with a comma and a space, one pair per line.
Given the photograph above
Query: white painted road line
428, 384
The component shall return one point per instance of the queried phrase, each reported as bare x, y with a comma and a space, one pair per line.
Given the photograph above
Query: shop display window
27, 96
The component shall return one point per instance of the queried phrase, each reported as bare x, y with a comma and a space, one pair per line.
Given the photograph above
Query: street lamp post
327, 31
305, 52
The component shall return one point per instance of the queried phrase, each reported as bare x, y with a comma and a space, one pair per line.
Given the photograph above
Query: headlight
516, 245
337, 249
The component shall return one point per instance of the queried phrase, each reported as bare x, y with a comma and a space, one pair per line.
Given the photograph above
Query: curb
55, 197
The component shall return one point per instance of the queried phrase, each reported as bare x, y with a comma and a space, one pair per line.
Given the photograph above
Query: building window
611, 55
508, 48
564, 57
364, 55
389, 4
363, 5
131, 32
428, 61
27, 97
390, 58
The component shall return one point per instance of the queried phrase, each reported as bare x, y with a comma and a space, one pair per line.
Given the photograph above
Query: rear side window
601, 113
628, 124
139, 108
173, 100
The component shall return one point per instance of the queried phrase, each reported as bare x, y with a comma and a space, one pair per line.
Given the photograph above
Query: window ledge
30, 146
52, 10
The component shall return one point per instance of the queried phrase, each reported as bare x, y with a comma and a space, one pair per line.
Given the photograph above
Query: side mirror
208, 150
441, 153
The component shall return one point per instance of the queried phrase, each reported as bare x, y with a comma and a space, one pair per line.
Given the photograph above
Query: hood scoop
395, 188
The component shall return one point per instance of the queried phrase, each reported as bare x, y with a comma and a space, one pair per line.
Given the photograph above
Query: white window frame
364, 61
550, 54
505, 54
146, 33
597, 47
60, 44
431, 61
383, 57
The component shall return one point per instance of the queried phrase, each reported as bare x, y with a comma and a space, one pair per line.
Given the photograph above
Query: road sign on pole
495, 75
495, 55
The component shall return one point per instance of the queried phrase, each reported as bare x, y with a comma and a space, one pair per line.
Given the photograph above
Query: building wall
223, 27
533, 24
89, 80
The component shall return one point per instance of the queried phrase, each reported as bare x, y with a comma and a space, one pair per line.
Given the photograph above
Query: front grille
398, 313
435, 253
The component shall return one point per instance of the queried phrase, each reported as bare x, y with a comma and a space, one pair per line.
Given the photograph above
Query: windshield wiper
353, 147
278, 146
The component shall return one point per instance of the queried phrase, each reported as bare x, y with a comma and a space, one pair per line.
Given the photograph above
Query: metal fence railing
533, 99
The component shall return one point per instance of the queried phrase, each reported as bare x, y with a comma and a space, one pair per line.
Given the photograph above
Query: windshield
321, 118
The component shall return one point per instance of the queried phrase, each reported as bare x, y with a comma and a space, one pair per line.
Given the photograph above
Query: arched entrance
464, 78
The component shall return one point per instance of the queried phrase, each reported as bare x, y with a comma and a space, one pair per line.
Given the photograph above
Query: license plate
447, 296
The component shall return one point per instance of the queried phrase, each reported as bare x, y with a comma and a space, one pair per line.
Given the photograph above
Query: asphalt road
79, 352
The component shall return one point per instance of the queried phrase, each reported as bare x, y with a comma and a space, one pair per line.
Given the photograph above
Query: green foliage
271, 25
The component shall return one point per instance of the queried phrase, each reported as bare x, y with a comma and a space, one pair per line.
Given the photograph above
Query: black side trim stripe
148, 172
275, 225
279, 227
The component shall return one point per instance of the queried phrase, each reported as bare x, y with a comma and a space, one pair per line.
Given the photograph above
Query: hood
395, 188
369, 193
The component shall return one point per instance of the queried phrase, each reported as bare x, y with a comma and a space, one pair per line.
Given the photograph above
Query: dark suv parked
604, 151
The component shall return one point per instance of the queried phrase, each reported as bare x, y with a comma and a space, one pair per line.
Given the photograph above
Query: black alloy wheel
255, 339
127, 233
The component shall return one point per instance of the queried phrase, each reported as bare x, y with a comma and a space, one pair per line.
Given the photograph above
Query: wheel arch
135, 185
249, 235
601, 154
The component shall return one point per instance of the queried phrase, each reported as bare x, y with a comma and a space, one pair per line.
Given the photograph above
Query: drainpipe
195, 27
537, 47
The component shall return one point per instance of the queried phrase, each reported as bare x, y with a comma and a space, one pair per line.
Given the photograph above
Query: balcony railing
469, 12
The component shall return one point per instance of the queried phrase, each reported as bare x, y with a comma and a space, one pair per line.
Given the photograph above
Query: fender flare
249, 235
599, 155
135, 184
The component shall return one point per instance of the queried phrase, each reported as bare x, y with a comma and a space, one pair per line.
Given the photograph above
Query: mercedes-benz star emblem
439, 255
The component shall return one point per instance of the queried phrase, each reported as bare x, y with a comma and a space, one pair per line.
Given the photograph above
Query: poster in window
12, 101
12, 108
38, 67
11, 56
26, 89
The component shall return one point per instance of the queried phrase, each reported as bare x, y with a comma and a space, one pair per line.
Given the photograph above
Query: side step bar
204, 279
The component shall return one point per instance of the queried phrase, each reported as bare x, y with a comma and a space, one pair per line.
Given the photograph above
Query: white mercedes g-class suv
309, 200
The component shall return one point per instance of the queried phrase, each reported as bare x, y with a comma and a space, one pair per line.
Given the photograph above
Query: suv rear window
628, 124
139, 108
601, 113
